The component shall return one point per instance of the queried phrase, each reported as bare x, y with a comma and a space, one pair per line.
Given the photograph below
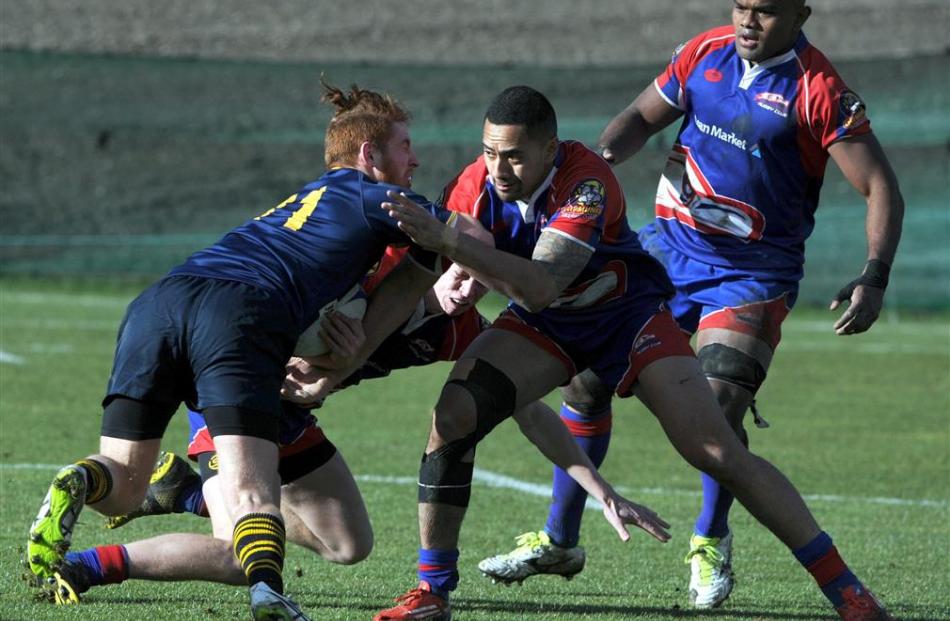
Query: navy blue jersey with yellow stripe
314, 246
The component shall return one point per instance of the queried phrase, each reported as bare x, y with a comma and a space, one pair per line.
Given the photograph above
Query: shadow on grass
477, 608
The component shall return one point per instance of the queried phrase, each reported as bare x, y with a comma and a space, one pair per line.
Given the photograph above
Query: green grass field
859, 424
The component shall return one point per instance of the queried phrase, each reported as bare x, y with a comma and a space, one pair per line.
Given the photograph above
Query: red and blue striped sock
103, 565
820, 557
592, 433
440, 569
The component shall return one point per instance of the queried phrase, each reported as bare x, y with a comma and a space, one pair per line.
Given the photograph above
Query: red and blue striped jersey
741, 186
580, 199
314, 246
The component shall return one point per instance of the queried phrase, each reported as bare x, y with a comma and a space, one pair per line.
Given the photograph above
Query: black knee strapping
728, 364
443, 477
493, 393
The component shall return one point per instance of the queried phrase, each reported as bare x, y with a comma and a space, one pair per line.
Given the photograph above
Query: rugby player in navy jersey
320, 501
217, 332
324, 509
584, 295
762, 110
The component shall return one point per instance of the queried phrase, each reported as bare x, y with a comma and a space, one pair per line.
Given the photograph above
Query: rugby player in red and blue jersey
762, 111
584, 295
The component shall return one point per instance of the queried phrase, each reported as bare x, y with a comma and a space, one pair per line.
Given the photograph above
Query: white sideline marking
880, 327
8, 358
501, 481
860, 348
87, 300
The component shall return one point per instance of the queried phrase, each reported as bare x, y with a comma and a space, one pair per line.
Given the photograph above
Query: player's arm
546, 431
627, 132
865, 166
532, 283
390, 304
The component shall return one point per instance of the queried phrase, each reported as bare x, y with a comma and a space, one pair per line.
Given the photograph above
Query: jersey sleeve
671, 83
390, 259
832, 111
462, 193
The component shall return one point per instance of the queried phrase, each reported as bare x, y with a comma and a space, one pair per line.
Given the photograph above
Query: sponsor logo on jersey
852, 109
213, 462
586, 201
712, 75
773, 102
717, 132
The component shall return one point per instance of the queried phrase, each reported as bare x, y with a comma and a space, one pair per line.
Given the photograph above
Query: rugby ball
352, 304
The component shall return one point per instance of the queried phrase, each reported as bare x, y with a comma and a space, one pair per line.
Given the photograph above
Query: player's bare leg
734, 371
677, 392
465, 412
324, 511
112, 481
586, 411
250, 487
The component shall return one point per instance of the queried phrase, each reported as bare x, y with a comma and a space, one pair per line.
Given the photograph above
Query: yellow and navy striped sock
259, 546
98, 480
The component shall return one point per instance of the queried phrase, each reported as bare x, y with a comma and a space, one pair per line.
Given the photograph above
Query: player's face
395, 161
517, 163
457, 291
767, 28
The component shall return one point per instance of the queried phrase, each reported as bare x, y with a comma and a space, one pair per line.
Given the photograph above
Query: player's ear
550, 150
367, 155
803, 15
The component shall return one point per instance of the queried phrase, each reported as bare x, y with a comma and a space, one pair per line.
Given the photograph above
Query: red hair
361, 116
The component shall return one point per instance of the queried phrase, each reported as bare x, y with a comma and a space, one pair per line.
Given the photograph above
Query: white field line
501, 481
8, 358
882, 326
832, 346
86, 300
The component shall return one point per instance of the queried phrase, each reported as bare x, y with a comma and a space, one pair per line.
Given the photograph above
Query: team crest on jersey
587, 201
773, 102
852, 109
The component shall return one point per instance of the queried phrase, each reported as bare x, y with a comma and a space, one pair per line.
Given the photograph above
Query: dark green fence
119, 167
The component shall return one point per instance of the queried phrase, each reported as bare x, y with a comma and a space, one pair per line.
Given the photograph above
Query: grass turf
859, 424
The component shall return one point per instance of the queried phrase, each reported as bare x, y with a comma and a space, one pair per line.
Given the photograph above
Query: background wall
132, 133
445, 32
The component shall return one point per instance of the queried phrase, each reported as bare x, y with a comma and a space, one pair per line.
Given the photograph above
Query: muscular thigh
328, 502
533, 370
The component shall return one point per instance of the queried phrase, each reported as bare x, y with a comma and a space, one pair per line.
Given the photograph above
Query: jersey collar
751, 72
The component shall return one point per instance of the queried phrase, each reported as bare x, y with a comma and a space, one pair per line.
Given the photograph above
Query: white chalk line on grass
8, 358
501, 481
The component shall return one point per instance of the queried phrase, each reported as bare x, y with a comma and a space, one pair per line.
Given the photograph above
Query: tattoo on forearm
561, 257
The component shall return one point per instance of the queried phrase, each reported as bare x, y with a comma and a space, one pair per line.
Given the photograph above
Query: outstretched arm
546, 431
865, 166
627, 132
532, 283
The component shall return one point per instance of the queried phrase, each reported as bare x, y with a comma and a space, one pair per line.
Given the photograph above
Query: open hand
420, 225
307, 384
619, 512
